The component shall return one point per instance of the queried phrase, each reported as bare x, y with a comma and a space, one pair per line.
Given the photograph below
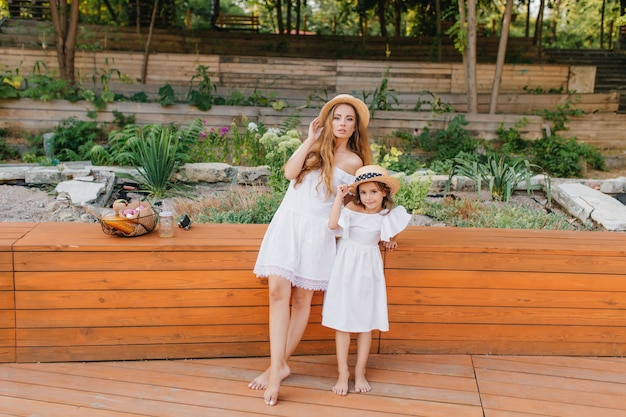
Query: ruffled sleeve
394, 222
344, 223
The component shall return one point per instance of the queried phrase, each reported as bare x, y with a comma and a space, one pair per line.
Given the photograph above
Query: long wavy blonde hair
322, 153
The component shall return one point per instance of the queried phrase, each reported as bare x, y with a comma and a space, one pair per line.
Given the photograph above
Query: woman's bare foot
341, 387
361, 384
273, 384
261, 381
271, 395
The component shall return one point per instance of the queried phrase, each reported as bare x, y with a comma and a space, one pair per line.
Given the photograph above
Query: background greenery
566, 23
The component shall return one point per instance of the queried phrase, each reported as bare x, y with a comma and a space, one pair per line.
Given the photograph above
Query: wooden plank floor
402, 385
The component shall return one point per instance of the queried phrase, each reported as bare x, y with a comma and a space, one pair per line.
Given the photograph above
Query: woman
298, 237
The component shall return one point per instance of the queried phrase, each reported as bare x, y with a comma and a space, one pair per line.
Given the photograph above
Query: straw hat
370, 173
360, 107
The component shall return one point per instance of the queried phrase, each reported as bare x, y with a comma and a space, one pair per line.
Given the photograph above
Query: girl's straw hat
360, 107
370, 173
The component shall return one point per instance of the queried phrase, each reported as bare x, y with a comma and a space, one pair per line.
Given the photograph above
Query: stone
586, 203
253, 175
80, 191
207, 172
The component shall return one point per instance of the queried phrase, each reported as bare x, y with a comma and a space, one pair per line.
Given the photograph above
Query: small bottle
166, 224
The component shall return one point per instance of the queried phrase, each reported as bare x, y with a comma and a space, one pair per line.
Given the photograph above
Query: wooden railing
68, 292
238, 22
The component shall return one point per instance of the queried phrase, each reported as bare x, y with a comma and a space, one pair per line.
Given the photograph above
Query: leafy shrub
280, 146
73, 139
447, 143
413, 192
565, 158
473, 213
6, 151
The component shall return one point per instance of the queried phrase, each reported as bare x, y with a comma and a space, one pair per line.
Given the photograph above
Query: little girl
356, 298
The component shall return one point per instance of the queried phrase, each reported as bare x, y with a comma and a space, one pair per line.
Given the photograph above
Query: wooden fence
306, 75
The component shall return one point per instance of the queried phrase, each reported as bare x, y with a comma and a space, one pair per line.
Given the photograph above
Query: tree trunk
398, 18
279, 17
298, 15
439, 31
602, 25
288, 24
146, 55
472, 84
65, 32
537, 41
381, 18
504, 37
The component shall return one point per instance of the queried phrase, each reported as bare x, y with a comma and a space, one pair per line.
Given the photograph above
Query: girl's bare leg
364, 342
342, 346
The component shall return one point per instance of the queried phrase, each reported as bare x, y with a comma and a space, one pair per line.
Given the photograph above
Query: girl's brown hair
322, 153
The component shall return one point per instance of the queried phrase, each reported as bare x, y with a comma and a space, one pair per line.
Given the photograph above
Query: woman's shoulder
348, 162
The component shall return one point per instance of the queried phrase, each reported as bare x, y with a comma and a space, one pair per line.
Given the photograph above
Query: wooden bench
238, 22
81, 295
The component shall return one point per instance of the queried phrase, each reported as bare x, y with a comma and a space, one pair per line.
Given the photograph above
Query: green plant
473, 213
6, 151
73, 139
447, 143
167, 96
260, 212
560, 116
434, 103
105, 75
202, 97
155, 158
413, 192
382, 98
393, 159
499, 174
565, 158
279, 146
511, 139
44, 85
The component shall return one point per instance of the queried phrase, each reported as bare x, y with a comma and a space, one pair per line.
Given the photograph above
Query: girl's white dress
298, 245
356, 298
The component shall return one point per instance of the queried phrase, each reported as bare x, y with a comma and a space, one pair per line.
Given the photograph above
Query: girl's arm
335, 211
295, 164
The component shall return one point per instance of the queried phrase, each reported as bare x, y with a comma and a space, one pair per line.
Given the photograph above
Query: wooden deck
402, 385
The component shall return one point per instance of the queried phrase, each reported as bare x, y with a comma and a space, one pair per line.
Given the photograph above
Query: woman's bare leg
286, 330
342, 347
364, 342
279, 297
300, 313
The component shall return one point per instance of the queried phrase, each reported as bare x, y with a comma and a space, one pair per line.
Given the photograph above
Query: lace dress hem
296, 281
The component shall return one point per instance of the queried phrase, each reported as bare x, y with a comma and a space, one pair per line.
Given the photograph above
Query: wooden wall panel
103, 297
503, 291
9, 234
450, 291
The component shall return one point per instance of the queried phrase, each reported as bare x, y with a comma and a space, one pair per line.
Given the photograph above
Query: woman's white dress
298, 245
356, 298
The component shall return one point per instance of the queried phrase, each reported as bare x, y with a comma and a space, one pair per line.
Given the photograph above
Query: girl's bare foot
361, 384
262, 381
341, 387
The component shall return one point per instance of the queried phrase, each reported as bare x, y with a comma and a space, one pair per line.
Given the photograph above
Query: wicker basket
128, 219
124, 227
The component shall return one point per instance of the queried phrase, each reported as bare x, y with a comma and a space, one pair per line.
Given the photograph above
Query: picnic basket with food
126, 219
